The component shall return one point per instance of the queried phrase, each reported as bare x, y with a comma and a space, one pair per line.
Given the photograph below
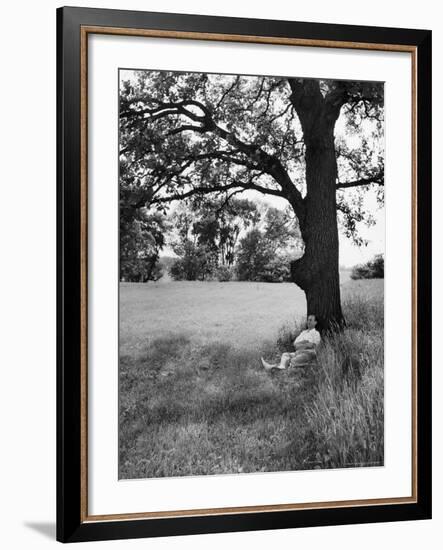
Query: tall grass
345, 420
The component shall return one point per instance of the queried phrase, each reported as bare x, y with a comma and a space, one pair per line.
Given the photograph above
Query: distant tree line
216, 239
373, 269
212, 239
239, 240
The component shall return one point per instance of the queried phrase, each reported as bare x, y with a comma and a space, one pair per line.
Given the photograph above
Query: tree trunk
317, 272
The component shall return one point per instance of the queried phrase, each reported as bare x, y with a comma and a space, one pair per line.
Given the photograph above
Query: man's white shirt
310, 335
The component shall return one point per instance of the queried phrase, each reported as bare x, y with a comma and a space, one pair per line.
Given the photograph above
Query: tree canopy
184, 134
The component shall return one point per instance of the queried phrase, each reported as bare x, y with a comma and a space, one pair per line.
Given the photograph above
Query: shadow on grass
197, 408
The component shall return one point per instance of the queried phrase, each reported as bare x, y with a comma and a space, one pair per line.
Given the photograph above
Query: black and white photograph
251, 299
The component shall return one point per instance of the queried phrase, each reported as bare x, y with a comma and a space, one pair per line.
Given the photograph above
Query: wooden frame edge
414, 251
282, 41
84, 275
204, 512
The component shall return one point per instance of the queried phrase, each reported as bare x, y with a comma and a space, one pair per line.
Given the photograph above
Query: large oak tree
190, 134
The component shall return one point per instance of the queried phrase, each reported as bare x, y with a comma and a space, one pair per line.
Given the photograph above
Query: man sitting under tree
305, 348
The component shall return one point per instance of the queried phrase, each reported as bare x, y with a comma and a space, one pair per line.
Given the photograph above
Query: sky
350, 254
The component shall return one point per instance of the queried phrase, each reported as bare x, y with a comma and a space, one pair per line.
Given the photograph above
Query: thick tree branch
186, 128
377, 178
258, 158
263, 190
269, 164
163, 109
195, 191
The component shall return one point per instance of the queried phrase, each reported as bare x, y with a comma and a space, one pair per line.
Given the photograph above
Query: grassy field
195, 400
244, 315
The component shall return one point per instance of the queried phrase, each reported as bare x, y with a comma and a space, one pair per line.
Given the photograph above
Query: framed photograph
244, 274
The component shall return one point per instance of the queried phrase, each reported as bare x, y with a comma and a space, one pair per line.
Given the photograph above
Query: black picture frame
72, 525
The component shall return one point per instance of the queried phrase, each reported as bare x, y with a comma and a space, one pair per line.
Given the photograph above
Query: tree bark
317, 272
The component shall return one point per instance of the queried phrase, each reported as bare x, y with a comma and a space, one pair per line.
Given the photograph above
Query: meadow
195, 400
